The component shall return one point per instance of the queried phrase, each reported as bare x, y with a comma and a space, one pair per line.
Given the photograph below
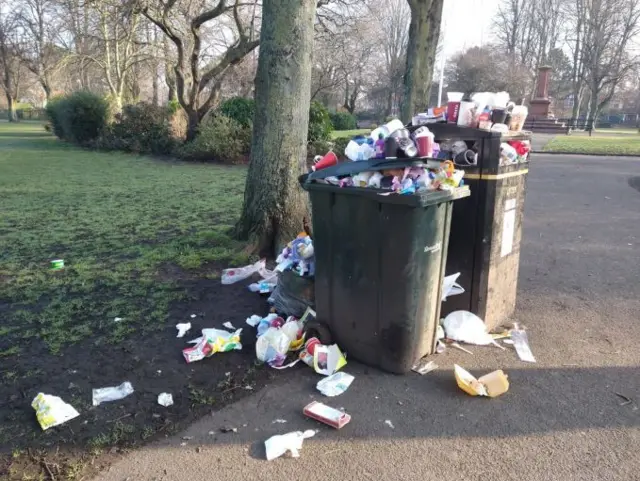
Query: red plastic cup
328, 160
425, 146
453, 109
310, 345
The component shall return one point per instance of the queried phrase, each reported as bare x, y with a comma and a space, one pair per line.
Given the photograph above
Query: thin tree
9, 61
274, 205
424, 31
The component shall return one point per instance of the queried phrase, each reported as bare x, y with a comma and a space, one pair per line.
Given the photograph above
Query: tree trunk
424, 32
275, 207
577, 104
11, 109
193, 120
155, 98
593, 111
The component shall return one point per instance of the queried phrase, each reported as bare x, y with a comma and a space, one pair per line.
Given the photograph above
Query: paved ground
580, 297
538, 141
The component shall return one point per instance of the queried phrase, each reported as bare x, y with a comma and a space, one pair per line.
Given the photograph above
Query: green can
57, 264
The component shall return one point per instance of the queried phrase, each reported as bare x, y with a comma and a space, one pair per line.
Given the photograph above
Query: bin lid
352, 168
419, 199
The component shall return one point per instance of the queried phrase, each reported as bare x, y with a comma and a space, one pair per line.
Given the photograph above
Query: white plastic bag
335, 384
464, 326
450, 287
278, 445
233, 275
273, 345
357, 152
106, 394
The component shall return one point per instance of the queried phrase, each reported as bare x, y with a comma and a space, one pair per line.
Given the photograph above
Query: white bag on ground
233, 275
450, 287
465, 326
278, 445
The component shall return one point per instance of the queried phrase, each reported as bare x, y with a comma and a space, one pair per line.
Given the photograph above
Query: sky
467, 23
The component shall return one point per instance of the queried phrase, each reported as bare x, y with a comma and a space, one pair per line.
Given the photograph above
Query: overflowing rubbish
335, 384
424, 366
52, 411
326, 414
107, 394
492, 385
293, 294
464, 326
280, 444
521, 344
233, 275
327, 359
278, 339
165, 399
450, 287
211, 342
183, 328
57, 264
298, 255
228, 325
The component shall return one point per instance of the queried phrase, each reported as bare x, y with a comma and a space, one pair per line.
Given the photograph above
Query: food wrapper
212, 341
492, 385
52, 411
328, 359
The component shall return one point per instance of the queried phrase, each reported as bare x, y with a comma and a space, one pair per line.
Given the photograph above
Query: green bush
219, 138
343, 121
140, 128
239, 109
54, 115
320, 127
80, 117
339, 145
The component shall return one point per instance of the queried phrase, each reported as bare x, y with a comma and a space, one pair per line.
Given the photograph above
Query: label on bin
434, 248
508, 227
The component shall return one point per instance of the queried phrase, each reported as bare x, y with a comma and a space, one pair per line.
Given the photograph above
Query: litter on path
165, 399
212, 341
106, 394
424, 366
278, 445
521, 343
389, 423
228, 325
493, 384
335, 384
278, 421
326, 414
183, 328
52, 411
464, 326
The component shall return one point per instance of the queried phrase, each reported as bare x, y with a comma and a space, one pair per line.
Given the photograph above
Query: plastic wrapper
278, 445
107, 394
211, 342
335, 384
356, 152
165, 399
52, 411
450, 287
233, 275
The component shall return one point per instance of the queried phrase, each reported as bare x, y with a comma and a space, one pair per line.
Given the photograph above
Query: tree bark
424, 32
275, 207
11, 109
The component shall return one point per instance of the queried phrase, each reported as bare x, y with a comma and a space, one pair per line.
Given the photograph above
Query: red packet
326, 414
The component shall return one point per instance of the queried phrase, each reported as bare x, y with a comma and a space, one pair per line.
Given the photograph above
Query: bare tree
183, 22
9, 61
275, 207
610, 27
40, 52
424, 31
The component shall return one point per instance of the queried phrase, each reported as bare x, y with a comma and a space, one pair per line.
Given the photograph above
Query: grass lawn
141, 239
339, 134
597, 144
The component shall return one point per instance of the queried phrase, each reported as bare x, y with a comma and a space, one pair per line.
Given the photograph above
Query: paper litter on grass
106, 394
52, 411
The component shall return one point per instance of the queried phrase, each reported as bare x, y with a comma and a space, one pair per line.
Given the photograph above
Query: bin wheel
319, 330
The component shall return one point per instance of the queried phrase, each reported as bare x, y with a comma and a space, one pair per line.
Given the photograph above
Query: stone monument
540, 105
